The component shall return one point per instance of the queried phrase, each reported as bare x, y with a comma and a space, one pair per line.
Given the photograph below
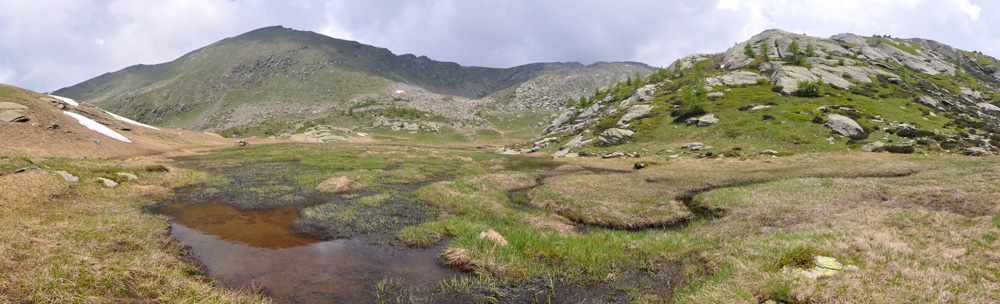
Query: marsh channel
260, 240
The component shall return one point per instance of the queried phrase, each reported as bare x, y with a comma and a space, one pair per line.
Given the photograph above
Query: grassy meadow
529, 229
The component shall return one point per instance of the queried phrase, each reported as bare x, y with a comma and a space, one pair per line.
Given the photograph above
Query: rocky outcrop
843, 125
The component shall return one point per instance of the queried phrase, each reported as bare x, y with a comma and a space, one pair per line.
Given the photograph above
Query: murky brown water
258, 249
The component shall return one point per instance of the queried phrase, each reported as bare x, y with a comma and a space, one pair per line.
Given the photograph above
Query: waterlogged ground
437, 224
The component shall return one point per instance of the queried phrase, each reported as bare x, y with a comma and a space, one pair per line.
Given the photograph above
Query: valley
307, 169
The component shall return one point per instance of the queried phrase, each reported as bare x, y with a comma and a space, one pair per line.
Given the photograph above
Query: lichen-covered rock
843, 125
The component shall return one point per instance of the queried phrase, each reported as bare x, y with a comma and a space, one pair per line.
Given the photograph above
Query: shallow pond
258, 249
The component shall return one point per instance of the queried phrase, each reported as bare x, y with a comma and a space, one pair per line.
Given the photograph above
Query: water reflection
257, 248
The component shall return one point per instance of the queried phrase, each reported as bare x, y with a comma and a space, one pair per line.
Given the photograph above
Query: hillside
783, 93
40, 125
276, 80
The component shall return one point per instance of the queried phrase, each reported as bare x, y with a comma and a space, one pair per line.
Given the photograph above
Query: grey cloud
48, 44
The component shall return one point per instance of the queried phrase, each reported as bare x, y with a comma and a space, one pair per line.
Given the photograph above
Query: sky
49, 44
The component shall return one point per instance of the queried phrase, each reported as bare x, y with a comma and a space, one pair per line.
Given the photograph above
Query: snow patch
67, 100
93, 125
131, 121
399, 91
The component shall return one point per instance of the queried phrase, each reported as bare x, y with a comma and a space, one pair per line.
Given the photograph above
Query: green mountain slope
780, 93
279, 77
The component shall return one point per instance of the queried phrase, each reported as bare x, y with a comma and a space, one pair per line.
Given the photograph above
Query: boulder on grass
843, 125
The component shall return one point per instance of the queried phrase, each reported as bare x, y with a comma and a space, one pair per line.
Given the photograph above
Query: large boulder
703, 121
988, 107
614, 136
843, 125
634, 112
928, 101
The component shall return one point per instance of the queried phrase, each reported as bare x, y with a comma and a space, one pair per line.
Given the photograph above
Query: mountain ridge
276, 64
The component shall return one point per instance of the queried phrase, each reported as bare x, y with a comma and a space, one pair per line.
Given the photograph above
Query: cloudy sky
50, 44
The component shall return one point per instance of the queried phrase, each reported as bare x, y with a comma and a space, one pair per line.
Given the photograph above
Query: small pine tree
809, 50
793, 48
583, 101
748, 50
765, 50
628, 81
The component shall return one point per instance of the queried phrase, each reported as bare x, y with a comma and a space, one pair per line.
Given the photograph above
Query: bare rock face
843, 125
733, 78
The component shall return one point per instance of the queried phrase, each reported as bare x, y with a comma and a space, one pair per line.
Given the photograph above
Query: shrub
900, 149
809, 88
777, 88
156, 168
911, 133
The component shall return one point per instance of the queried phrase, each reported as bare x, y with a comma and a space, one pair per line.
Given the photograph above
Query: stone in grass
107, 182
493, 236
825, 266
872, 147
976, 151
129, 176
68, 177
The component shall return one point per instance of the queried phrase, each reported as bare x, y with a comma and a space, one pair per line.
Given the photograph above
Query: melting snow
399, 91
131, 121
67, 100
93, 125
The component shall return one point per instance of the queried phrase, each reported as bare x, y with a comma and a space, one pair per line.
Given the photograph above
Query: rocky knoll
926, 79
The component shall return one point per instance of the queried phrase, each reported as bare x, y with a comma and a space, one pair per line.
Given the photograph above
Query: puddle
258, 249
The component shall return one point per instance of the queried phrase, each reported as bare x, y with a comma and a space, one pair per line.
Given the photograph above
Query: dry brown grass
609, 200
83, 243
908, 251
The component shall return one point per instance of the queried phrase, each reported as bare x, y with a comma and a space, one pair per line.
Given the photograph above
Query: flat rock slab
13, 116
6, 105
